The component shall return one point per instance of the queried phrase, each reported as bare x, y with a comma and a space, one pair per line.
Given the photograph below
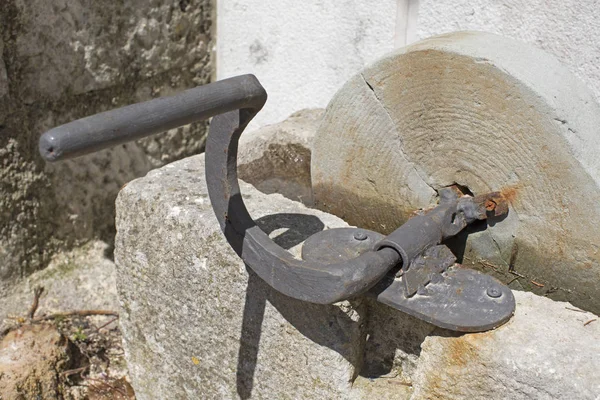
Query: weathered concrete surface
61, 60
487, 113
548, 350
276, 158
195, 325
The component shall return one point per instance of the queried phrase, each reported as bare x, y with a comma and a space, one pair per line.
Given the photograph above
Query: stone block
196, 324
548, 350
276, 158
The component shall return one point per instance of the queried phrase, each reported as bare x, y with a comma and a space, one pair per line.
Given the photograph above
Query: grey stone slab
196, 324
548, 350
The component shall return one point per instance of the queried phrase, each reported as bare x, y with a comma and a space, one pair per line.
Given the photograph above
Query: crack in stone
402, 153
499, 249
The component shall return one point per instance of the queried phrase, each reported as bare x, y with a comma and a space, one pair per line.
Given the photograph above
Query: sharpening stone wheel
487, 113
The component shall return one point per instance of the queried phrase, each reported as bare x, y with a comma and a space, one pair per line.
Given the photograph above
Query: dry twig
590, 321
109, 322
517, 274
37, 293
70, 372
77, 313
487, 264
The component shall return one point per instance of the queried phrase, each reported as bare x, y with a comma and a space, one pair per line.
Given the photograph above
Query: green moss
59, 271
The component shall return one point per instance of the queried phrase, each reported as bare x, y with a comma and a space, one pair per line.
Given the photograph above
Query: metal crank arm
428, 284
337, 264
233, 102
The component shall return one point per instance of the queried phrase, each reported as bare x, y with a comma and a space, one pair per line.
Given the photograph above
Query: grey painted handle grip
136, 121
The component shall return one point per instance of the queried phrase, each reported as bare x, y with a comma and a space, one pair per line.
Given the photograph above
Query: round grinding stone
487, 113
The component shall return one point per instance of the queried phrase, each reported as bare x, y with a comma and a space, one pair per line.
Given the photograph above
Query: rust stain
458, 353
461, 351
490, 205
511, 193
585, 265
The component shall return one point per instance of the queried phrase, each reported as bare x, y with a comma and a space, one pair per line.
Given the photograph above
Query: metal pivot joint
409, 269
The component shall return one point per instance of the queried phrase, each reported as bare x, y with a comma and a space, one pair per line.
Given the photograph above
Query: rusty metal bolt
490, 205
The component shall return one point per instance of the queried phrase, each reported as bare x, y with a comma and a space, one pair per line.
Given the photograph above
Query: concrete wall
302, 51
65, 59
570, 30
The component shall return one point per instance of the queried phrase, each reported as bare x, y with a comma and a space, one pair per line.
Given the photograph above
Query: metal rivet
360, 235
494, 292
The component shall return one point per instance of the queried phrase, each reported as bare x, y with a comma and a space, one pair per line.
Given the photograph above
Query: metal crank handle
121, 125
234, 102
461, 299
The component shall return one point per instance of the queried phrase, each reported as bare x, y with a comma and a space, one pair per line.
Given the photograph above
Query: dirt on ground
73, 355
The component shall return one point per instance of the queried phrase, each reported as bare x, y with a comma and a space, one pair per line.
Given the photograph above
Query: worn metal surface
449, 297
304, 280
339, 244
426, 268
338, 264
136, 121
458, 301
447, 219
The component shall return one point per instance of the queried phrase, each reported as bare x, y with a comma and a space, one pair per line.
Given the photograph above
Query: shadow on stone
458, 243
326, 325
393, 341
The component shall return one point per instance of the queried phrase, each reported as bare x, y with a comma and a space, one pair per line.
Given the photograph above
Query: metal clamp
355, 261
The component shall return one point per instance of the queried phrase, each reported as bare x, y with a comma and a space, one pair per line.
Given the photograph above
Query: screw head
494, 292
360, 235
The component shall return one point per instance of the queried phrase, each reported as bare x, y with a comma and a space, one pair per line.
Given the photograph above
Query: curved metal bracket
319, 277
304, 280
234, 102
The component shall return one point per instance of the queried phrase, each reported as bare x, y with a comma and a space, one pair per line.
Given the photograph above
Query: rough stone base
197, 325
548, 350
